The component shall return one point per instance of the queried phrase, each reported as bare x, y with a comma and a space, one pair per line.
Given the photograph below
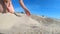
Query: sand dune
12, 24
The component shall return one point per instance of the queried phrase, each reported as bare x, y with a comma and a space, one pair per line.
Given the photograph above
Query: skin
24, 7
9, 7
2, 7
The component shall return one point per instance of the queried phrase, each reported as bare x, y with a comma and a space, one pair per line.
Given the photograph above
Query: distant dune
12, 24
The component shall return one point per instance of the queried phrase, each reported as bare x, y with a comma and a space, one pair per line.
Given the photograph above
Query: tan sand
12, 24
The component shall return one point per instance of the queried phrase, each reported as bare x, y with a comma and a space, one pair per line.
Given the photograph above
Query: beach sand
12, 24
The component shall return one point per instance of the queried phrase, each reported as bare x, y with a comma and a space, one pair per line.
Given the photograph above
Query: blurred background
50, 8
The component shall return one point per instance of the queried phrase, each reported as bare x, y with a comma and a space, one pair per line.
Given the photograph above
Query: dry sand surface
12, 24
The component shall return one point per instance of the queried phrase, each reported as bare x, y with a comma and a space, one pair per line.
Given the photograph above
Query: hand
9, 7
27, 12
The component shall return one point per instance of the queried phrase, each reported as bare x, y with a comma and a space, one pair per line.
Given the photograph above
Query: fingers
9, 7
27, 12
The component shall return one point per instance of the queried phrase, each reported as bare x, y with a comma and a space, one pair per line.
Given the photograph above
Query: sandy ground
12, 24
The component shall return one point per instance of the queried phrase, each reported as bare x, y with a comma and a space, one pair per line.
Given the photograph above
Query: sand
12, 24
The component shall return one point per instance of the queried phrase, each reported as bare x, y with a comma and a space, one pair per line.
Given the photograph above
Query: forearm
22, 5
